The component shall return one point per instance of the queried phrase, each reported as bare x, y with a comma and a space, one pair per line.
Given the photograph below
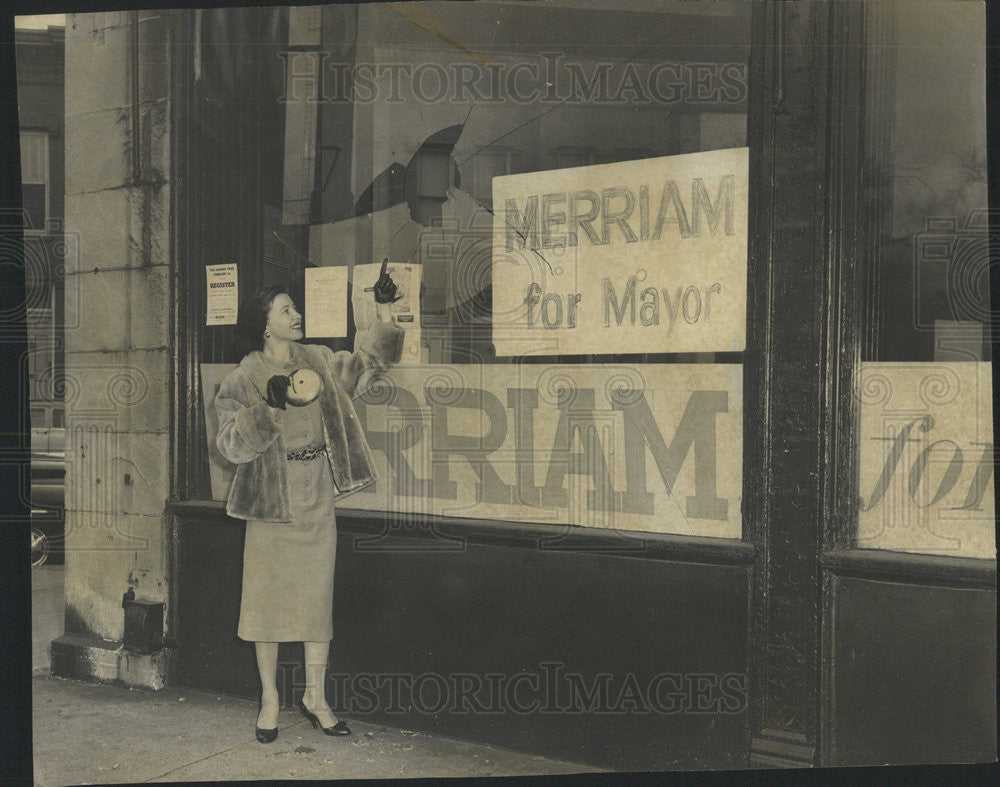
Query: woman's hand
385, 287
277, 391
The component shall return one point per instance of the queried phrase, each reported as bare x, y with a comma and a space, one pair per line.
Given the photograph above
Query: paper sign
926, 458
634, 257
222, 301
326, 302
406, 310
654, 448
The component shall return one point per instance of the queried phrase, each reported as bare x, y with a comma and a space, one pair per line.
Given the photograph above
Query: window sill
454, 533
911, 567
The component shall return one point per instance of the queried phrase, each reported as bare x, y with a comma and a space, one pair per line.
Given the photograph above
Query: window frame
189, 483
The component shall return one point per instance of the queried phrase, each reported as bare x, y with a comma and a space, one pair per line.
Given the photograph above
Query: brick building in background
40, 75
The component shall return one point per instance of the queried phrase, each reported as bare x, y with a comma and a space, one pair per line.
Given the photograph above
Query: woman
292, 464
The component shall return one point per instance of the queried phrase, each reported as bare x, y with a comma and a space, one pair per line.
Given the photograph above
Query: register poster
646, 256
222, 300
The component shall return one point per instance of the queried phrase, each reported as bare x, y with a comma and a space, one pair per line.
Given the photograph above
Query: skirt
288, 566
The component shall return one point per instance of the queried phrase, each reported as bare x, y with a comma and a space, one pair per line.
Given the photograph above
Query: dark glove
277, 390
385, 287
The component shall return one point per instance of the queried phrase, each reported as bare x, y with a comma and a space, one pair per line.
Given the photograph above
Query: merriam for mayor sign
651, 448
635, 257
645, 256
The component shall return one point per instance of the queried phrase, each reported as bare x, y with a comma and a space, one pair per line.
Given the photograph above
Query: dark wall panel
209, 567
663, 642
914, 673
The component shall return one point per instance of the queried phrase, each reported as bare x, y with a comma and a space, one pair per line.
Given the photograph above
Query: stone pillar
118, 338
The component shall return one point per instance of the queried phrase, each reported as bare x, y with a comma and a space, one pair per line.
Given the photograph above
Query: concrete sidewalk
87, 733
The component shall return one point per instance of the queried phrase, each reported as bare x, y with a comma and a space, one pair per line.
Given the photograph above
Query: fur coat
250, 434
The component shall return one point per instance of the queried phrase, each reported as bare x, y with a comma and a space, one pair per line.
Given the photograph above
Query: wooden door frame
806, 312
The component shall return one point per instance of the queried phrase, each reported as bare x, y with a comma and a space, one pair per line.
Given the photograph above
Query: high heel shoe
265, 736
340, 728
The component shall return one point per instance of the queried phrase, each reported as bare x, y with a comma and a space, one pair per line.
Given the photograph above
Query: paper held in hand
406, 310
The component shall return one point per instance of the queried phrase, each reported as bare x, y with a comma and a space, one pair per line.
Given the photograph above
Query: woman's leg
267, 666
314, 697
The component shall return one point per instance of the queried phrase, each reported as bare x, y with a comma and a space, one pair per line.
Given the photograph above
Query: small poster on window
222, 302
326, 302
405, 311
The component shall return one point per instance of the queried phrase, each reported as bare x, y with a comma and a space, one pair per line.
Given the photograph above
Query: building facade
40, 57
816, 611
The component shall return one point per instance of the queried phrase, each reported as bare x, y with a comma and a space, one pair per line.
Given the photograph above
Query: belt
306, 453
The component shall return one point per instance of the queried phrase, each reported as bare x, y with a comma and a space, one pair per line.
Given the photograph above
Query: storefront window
399, 122
531, 88
926, 389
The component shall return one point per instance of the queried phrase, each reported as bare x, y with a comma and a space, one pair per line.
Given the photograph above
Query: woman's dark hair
252, 318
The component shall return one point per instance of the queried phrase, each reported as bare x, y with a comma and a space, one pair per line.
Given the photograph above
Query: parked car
48, 483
